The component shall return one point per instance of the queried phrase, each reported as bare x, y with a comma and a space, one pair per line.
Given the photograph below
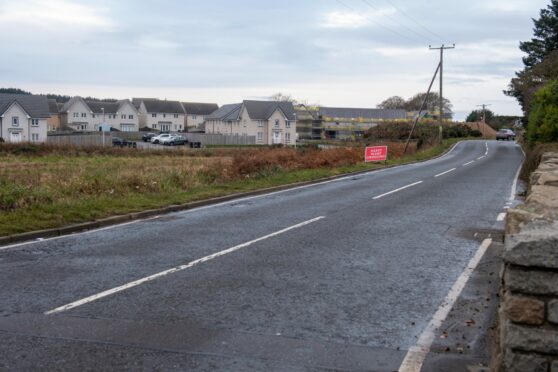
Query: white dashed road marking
469, 163
446, 172
397, 190
175, 269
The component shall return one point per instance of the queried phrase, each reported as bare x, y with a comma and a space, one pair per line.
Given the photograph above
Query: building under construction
318, 122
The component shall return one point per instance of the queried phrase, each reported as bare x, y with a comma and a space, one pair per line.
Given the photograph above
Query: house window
194, 117
176, 116
93, 116
287, 124
154, 126
15, 121
260, 136
35, 122
260, 123
34, 137
76, 115
130, 117
123, 116
287, 137
277, 123
153, 115
83, 114
164, 115
244, 123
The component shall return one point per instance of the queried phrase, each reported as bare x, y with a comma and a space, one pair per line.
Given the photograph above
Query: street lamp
102, 129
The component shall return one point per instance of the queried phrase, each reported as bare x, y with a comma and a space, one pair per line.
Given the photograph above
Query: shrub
543, 120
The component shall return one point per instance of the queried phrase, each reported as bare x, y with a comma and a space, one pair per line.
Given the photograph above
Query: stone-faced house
23, 118
269, 121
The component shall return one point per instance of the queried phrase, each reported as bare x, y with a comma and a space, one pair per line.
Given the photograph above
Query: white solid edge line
469, 163
397, 190
514, 185
193, 210
417, 354
444, 173
501, 217
175, 269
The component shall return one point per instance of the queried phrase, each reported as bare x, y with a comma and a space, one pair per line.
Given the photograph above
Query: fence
96, 139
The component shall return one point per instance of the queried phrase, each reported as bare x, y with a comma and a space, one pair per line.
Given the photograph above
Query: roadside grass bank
43, 187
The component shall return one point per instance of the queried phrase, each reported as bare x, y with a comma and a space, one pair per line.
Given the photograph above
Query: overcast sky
352, 53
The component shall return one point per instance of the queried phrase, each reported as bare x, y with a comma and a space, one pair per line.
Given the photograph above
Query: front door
15, 137
276, 138
165, 127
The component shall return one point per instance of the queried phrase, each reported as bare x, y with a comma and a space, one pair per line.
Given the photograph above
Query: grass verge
48, 191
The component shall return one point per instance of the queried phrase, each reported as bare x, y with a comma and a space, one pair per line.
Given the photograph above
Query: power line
429, 38
414, 40
415, 21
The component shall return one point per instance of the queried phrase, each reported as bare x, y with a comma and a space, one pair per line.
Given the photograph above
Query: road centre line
501, 217
397, 190
417, 354
469, 163
174, 270
446, 172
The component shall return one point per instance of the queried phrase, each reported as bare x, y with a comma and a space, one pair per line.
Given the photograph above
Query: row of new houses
28, 117
128, 116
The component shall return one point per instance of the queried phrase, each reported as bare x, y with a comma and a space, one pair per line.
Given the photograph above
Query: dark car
147, 137
120, 142
175, 141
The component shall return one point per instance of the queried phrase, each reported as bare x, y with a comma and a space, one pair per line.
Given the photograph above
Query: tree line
536, 86
58, 97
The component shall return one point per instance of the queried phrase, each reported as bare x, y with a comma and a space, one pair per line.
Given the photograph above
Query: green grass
59, 200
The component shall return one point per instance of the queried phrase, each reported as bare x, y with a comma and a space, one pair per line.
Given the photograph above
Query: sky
343, 53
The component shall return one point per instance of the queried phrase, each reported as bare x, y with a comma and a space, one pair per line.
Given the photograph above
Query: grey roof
262, 110
36, 106
364, 113
257, 110
53, 106
226, 112
162, 106
110, 107
194, 108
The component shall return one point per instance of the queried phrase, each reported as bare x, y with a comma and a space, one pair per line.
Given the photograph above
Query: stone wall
529, 310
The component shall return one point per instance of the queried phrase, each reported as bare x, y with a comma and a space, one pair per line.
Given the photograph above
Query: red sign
377, 153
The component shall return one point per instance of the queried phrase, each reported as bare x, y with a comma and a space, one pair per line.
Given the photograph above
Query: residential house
269, 121
81, 115
53, 121
161, 115
340, 122
23, 118
196, 114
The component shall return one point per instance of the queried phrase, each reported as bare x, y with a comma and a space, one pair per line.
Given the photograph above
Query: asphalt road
343, 275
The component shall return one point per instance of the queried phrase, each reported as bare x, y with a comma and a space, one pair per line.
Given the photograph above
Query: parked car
157, 139
505, 135
174, 141
120, 142
147, 137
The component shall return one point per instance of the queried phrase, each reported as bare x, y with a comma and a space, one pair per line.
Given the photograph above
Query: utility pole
441, 49
484, 106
